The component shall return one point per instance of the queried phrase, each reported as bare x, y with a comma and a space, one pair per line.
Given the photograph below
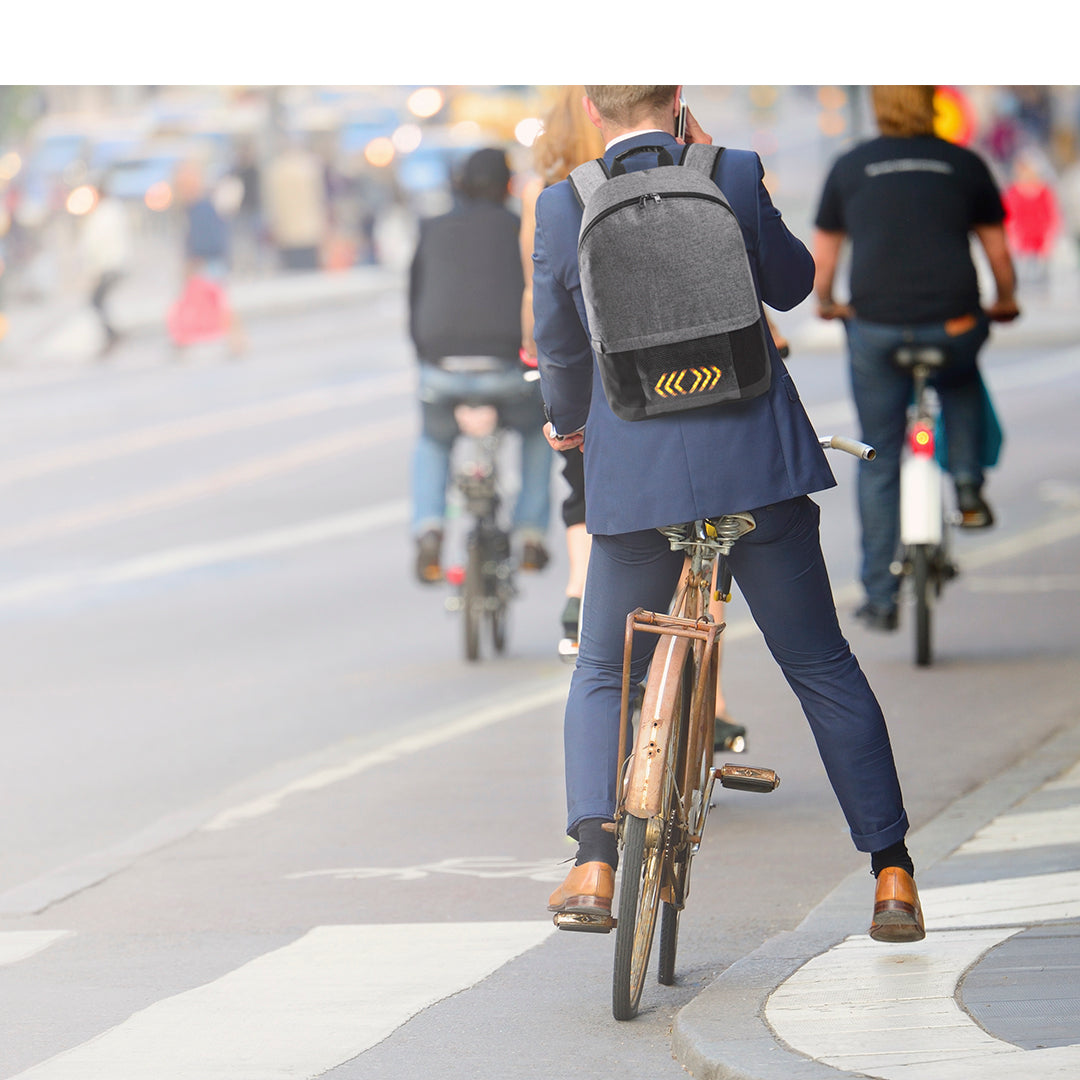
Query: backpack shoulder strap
587, 177
702, 157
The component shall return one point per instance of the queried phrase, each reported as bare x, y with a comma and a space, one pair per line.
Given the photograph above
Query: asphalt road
261, 819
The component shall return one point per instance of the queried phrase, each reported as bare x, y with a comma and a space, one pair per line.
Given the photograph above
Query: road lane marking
201, 487
197, 556
299, 1010
16, 945
261, 794
472, 720
170, 433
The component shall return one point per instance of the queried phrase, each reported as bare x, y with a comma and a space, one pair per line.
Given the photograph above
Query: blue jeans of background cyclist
521, 409
882, 393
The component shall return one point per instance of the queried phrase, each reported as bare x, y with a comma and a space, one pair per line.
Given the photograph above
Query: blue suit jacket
650, 473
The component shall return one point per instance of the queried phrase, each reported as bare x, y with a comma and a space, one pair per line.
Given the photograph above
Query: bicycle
485, 584
666, 782
925, 538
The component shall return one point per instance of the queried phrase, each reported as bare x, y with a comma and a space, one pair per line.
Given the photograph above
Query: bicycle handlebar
849, 446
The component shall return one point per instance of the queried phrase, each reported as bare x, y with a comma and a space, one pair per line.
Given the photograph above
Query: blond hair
904, 111
630, 105
568, 137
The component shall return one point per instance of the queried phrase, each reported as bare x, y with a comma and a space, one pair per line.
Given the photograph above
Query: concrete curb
723, 1034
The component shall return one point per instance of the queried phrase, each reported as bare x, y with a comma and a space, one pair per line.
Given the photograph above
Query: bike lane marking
299, 1010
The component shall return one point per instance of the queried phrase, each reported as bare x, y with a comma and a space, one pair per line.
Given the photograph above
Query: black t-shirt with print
908, 206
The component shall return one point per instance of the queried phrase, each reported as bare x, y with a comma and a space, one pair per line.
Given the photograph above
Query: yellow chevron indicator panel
688, 381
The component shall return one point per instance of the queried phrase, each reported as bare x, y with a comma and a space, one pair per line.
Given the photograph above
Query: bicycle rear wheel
925, 585
639, 898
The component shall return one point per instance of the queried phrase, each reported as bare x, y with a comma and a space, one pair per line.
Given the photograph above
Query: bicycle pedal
586, 924
747, 778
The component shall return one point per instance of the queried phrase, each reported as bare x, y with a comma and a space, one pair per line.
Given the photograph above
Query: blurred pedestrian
295, 202
908, 202
107, 250
465, 287
1032, 218
249, 235
1069, 184
207, 247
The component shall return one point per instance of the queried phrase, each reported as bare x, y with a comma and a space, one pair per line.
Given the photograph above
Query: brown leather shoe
587, 890
897, 912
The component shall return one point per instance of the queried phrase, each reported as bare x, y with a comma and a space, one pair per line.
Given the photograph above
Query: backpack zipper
644, 200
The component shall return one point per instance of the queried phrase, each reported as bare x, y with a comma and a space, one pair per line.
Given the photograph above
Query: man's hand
695, 133
564, 442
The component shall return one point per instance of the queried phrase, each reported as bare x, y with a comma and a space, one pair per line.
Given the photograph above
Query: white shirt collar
634, 135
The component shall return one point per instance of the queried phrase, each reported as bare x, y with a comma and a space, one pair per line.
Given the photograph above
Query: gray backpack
673, 312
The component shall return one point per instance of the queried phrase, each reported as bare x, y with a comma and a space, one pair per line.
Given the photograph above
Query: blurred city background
353, 168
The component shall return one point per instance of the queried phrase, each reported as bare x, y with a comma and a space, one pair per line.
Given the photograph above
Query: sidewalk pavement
64, 330
993, 992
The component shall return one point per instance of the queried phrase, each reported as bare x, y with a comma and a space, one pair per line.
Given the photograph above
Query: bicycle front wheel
472, 600
677, 858
925, 585
639, 899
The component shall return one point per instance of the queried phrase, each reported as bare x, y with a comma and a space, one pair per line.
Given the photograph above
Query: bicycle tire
639, 899
499, 615
925, 588
677, 858
472, 600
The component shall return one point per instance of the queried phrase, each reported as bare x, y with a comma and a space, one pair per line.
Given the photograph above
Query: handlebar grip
849, 446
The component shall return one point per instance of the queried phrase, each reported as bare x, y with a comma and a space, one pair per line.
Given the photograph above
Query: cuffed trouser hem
605, 813
884, 837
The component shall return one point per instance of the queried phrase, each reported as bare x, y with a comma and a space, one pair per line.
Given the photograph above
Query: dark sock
895, 855
596, 844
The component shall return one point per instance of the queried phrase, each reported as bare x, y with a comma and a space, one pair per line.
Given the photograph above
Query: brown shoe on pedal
583, 900
898, 914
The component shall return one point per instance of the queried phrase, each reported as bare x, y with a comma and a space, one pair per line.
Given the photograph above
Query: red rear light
455, 575
922, 440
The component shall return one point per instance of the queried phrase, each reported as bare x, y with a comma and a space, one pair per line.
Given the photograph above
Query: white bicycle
925, 519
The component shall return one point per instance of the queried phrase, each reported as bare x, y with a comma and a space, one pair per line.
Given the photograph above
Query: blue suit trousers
781, 574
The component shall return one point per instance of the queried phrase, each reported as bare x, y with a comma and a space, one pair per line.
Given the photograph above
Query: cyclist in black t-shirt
908, 201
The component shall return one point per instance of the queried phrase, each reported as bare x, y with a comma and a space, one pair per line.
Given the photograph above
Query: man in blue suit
760, 455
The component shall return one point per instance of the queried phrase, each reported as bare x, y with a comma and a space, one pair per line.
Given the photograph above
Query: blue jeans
781, 574
882, 393
521, 409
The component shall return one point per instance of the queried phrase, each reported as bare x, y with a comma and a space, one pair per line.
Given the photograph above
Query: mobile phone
680, 123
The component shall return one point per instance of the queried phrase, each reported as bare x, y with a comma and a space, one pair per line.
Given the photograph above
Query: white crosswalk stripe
299, 1010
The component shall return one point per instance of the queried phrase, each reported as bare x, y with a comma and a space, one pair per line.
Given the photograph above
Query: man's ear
591, 111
